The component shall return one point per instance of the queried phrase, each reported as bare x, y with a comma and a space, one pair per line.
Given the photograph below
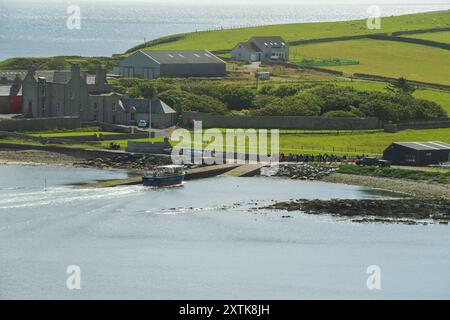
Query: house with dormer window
267, 48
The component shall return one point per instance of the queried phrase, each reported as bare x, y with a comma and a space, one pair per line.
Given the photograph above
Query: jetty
191, 174
245, 170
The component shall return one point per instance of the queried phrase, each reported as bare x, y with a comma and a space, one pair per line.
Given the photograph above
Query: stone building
73, 93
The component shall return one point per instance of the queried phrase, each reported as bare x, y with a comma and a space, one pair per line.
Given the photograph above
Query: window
95, 107
58, 107
30, 107
132, 116
81, 108
113, 107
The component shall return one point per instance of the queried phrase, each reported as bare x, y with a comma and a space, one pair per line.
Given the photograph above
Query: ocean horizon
38, 28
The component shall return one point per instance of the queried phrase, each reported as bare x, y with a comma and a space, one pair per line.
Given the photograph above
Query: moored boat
164, 176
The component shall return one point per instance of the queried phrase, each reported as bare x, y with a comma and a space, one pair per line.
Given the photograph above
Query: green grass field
73, 134
298, 142
440, 97
383, 58
443, 37
228, 38
373, 143
348, 143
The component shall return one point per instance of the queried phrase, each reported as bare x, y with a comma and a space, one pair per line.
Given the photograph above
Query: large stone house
90, 97
148, 64
262, 49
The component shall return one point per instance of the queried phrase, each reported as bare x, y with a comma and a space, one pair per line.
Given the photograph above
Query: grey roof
270, 41
10, 90
142, 106
431, 145
250, 46
182, 56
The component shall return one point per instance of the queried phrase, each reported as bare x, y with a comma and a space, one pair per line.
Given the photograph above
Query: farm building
261, 49
147, 64
417, 153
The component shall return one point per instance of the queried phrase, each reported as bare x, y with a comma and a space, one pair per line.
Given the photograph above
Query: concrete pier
191, 174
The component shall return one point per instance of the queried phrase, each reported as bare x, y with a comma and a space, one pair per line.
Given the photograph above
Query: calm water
202, 241
38, 27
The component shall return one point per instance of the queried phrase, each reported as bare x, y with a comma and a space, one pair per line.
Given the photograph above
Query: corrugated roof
182, 56
430, 145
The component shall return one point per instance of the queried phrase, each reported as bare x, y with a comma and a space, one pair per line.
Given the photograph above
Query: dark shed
417, 153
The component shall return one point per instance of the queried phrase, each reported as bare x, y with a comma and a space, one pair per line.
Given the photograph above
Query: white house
262, 49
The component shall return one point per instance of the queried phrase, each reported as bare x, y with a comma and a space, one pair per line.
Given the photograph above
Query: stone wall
40, 124
148, 147
436, 124
435, 44
280, 122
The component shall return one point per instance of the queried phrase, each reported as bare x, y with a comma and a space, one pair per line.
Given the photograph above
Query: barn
148, 64
417, 153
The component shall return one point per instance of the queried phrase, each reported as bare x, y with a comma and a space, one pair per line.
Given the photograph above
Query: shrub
185, 101
236, 97
339, 114
302, 104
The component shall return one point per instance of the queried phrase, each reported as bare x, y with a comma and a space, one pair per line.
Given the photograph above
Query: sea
40, 28
207, 239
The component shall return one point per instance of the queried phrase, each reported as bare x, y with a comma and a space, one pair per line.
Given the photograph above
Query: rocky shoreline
301, 171
128, 161
407, 210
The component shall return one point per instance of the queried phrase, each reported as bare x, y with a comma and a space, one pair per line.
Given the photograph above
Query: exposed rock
127, 161
403, 210
301, 171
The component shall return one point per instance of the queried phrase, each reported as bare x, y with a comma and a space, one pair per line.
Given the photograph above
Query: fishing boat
164, 176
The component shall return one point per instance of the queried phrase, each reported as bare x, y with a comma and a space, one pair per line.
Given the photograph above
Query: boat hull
163, 181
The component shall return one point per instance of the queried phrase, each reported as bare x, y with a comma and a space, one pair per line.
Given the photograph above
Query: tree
401, 85
184, 101
237, 97
148, 90
302, 104
337, 98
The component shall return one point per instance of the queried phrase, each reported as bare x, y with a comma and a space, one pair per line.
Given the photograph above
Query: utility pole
150, 118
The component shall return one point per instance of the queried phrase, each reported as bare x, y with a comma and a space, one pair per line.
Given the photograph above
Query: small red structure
11, 95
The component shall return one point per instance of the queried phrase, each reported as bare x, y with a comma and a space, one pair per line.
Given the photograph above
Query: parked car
143, 124
369, 161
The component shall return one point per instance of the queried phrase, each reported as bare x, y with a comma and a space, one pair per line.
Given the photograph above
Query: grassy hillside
440, 97
443, 37
59, 62
384, 58
227, 39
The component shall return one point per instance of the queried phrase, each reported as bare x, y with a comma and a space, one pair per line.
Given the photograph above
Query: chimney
100, 78
75, 70
18, 81
32, 70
